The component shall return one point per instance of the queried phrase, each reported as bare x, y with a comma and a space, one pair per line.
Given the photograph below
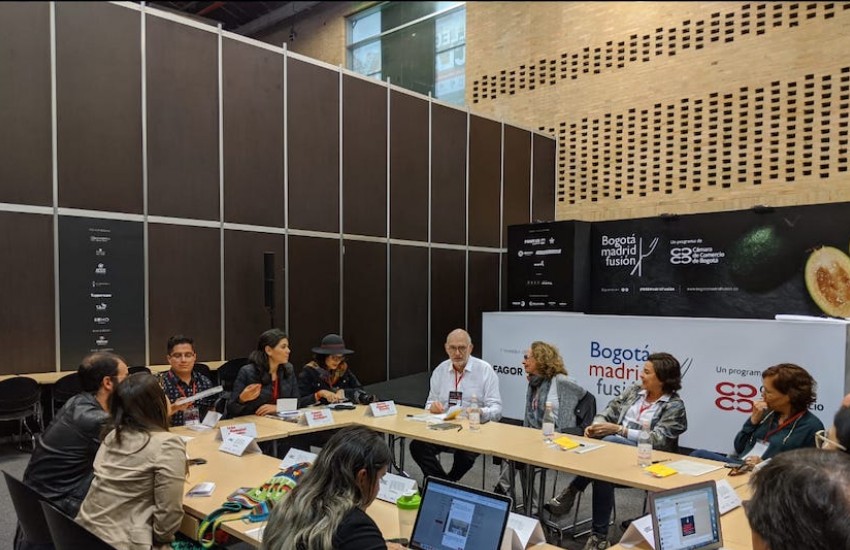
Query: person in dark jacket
62, 465
780, 421
268, 377
327, 379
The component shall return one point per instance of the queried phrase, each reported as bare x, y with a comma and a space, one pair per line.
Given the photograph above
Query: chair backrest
18, 393
68, 534
134, 370
67, 387
206, 371
228, 371
27, 505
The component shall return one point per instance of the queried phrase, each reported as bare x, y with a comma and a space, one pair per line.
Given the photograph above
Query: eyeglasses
184, 355
457, 349
525, 357
823, 442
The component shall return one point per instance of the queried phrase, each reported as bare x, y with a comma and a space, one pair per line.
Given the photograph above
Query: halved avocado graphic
764, 258
828, 280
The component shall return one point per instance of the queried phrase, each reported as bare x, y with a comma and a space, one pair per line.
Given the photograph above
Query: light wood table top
230, 472
613, 463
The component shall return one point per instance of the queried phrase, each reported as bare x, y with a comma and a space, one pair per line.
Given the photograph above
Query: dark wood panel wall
386, 211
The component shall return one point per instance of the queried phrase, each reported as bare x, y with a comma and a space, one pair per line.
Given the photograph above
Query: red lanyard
180, 389
275, 390
642, 408
783, 425
458, 380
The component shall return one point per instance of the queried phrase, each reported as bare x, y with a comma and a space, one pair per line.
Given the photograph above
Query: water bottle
548, 423
644, 446
474, 414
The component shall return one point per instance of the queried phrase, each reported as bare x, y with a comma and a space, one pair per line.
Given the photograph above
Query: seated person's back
61, 467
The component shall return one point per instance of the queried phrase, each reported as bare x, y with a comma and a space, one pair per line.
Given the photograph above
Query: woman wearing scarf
548, 383
326, 378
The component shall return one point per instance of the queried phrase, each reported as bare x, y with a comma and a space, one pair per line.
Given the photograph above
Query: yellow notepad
566, 443
660, 470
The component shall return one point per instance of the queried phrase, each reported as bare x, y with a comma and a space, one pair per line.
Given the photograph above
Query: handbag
259, 501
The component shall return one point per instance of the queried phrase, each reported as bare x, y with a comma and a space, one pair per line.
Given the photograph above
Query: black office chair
27, 504
134, 370
202, 368
20, 398
68, 534
228, 371
64, 389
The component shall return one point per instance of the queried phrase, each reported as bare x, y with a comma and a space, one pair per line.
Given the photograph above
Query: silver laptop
687, 518
455, 517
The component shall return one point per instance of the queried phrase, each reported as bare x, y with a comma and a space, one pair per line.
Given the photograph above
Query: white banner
722, 361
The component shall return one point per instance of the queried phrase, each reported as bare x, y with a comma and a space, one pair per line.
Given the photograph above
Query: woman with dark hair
780, 420
327, 508
136, 498
327, 379
268, 377
656, 401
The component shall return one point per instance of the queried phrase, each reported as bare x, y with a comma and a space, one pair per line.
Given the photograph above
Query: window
420, 46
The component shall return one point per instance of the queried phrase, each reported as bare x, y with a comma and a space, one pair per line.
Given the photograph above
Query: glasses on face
184, 355
824, 442
457, 349
525, 357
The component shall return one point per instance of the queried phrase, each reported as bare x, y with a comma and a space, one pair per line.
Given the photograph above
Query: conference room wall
222, 149
182, 155
25, 142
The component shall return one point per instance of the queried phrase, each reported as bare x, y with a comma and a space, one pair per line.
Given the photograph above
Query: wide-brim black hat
332, 344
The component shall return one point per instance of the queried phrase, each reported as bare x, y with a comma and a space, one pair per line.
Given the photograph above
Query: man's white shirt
478, 379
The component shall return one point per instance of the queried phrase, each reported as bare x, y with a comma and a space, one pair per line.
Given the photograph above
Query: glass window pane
365, 27
450, 78
451, 30
367, 59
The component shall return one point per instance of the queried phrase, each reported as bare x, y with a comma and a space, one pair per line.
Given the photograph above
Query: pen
459, 428
660, 461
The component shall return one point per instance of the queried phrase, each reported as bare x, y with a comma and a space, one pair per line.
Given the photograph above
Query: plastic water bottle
548, 423
644, 446
474, 414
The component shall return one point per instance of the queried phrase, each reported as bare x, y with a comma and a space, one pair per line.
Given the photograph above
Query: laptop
687, 518
455, 517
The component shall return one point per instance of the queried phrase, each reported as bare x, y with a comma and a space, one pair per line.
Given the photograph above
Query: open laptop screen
687, 518
454, 517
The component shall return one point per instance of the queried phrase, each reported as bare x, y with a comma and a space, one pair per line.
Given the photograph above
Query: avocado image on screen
828, 280
764, 258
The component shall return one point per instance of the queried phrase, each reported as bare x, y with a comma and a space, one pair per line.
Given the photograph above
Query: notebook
687, 518
455, 517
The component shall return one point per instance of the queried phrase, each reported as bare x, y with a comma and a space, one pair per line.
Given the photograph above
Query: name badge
455, 398
249, 429
382, 408
319, 417
237, 444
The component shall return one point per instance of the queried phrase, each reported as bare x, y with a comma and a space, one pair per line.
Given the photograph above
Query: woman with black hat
327, 378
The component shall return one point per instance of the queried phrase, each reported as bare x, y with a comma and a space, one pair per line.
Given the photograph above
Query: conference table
610, 462
47, 378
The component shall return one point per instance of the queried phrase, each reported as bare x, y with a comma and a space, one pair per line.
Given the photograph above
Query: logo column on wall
101, 289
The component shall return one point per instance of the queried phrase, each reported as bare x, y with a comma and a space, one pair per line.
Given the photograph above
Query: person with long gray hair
327, 508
